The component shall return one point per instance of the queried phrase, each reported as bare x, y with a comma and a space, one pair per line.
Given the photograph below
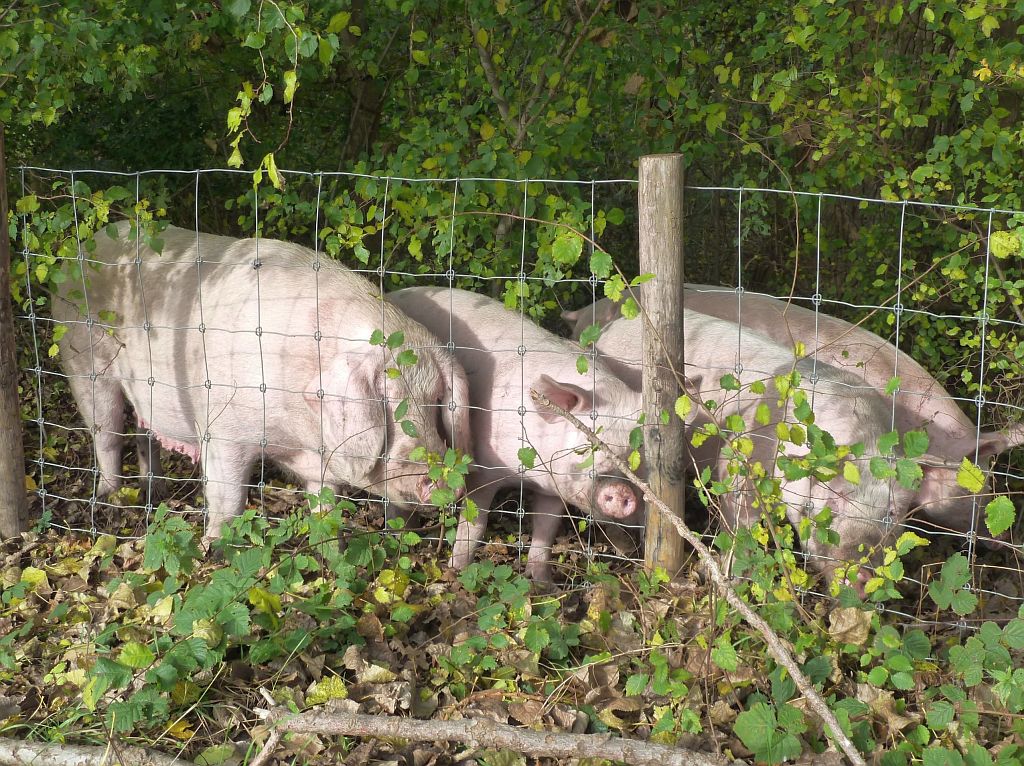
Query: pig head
505, 356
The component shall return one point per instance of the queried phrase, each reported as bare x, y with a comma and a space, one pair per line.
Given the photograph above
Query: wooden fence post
661, 253
13, 505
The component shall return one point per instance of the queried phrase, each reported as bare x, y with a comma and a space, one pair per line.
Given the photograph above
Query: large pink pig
234, 351
864, 514
504, 356
920, 404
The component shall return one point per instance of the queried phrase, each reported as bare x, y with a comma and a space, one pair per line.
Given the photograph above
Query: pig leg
226, 471
149, 466
469, 533
547, 515
101, 403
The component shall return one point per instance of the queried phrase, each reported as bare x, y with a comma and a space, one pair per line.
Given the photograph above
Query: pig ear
456, 423
992, 443
570, 317
352, 408
567, 396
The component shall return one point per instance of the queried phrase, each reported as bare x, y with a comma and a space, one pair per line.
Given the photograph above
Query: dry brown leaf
884, 706
849, 625
609, 715
527, 712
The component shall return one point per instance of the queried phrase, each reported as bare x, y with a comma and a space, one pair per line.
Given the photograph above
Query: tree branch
14, 752
487, 733
780, 651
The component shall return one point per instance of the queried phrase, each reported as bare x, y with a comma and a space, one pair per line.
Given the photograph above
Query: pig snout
617, 500
427, 487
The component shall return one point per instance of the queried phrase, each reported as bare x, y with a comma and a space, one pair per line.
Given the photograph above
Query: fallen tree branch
780, 651
484, 732
15, 752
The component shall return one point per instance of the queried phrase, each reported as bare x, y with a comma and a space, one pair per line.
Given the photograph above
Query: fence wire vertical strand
92, 356
816, 299
257, 266
590, 541
204, 437
980, 399
150, 452
887, 520
317, 332
40, 419
451, 510
520, 511
385, 404
738, 366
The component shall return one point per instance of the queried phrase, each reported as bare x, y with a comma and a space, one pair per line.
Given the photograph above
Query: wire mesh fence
775, 266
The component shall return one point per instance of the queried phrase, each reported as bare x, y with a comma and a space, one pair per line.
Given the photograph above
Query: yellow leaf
481, 38
684, 405
332, 688
851, 473
339, 21
486, 133
30, 484
970, 477
290, 84
34, 577
181, 730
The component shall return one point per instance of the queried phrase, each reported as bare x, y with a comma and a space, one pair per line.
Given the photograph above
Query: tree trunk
13, 505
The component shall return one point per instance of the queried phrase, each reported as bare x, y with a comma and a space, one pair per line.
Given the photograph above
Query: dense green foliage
902, 101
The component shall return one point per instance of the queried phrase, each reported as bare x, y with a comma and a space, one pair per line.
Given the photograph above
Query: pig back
220, 335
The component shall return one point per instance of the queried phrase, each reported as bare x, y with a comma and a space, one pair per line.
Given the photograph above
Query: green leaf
582, 364
888, 442
409, 428
536, 639
237, 7
729, 382
590, 335
999, 515
406, 358
970, 477
215, 755
339, 22
600, 264
566, 249
527, 456
136, 655
724, 654
290, 84
758, 729
908, 473
683, 407
636, 684
915, 443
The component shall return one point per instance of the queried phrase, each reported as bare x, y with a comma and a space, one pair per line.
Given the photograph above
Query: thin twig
268, 747
776, 646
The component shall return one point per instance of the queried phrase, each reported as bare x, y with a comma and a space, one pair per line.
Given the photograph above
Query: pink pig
920, 404
504, 356
235, 351
864, 514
